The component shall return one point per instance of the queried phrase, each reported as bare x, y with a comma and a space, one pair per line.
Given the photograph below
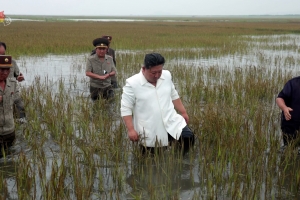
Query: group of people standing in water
151, 108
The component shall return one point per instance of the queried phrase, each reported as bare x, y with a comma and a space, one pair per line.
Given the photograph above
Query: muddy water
53, 68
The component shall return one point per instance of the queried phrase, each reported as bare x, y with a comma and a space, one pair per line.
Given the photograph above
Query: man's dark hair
3, 44
153, 59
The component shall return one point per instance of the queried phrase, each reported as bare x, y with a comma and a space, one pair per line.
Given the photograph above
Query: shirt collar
96, 56
7, 84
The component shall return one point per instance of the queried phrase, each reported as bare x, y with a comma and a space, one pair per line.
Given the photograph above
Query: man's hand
105, 76
180, 108
20, 77
186, 117
133, 135
286, 112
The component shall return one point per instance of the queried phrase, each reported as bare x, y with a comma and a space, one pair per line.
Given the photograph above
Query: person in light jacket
100, 68
110, 52
148, 108
9, 93
17, 75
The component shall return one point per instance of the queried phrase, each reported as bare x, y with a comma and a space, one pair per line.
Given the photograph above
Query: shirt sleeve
88, 66
285, 93
127, 101
16, 95
113, 67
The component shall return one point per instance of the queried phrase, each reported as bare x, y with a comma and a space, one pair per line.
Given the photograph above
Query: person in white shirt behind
148, 108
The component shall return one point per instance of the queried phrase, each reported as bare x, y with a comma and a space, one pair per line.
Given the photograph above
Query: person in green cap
100, 68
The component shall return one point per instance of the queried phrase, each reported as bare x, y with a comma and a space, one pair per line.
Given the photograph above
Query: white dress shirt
152, 108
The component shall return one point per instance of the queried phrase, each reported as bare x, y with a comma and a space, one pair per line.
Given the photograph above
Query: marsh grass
217, 37
92, 151
73, 148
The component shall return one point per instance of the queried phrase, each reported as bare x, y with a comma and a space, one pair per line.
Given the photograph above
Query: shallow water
51, 69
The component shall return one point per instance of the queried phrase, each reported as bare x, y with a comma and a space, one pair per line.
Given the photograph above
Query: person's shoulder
108, 57
13, 62
166, 73
12, 81
294, 80
134, 78
91, 57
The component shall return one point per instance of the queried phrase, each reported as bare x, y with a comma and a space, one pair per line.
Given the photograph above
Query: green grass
39, 38
79, 150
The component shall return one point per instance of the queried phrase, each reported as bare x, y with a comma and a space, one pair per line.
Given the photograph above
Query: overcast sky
150, 7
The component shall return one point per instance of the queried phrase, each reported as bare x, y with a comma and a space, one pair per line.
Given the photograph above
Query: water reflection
8, 172
162, 177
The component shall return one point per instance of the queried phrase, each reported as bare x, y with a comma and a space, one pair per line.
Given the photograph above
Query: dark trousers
185, 142
114, 83
290, 133
105, 93
6, 141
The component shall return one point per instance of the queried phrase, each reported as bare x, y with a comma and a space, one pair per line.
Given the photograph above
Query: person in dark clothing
288, 100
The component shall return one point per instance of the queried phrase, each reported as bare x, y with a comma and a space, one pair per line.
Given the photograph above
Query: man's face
152, 74
2, 50
4, 72
101, 52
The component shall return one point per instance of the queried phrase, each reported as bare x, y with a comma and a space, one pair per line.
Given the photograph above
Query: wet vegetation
38, 38
228, 75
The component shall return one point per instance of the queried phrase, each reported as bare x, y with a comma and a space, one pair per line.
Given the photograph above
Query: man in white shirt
148, 106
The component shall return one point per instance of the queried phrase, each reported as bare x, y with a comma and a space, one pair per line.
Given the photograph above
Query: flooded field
72, 148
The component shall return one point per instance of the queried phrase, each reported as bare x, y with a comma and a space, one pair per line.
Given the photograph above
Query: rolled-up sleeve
285, 93
127, 101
